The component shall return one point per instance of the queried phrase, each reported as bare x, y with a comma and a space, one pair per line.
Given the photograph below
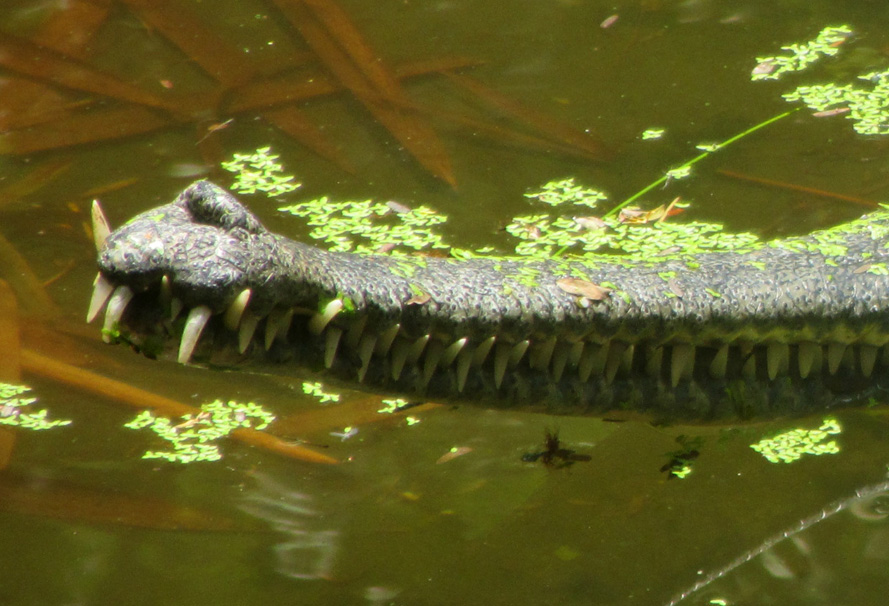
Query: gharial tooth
386, 339
277, 324
682, 362
542, 353
232, 317
719, 363
400, 349
518, 350
246, 330
416, 349
867, 355
175, 308
482, 351
331, 342
806, 355
615, 360
777, 356
654, 358
365, 351
434, 352
450, 353
560, 359
102, 289
501, 358
593, 360
464, 362
194, 325
320, 320
575, 353
117, 304
353, 337
835, 352
101, 228
166, 292
748, 356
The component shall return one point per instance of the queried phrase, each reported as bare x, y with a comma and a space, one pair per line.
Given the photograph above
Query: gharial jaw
257, 292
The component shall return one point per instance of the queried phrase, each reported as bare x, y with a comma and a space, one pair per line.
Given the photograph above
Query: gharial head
201, 250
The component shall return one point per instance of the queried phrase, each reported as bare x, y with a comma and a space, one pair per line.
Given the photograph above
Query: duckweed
791, 445
16, 411
192, 438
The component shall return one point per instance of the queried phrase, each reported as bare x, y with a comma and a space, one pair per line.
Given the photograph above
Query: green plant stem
697, 159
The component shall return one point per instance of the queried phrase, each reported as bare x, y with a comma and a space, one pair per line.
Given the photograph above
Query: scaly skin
772, 328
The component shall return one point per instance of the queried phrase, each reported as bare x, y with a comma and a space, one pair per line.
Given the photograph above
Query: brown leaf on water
634, 214
590, 223
420, 299
457, 451
827, 113
583, 288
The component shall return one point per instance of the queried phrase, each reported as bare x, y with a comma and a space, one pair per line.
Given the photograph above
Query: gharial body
778, 326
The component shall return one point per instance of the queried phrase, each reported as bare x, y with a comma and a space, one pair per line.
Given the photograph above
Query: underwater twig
697, 159
801, 188
27, 286
133, 396
804, 524
10, 371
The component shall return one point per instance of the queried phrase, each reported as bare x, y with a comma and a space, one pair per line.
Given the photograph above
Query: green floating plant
801, 56
653, 134
544, 235
366, 226
791, 445
16, 411
867, 107
393, 405
260, 172
316, 390
193, 437
566, 191
374, 227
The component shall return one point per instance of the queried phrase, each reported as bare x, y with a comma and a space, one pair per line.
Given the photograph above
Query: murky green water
84, 520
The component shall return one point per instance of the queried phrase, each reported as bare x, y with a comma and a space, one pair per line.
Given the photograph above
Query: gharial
786, 325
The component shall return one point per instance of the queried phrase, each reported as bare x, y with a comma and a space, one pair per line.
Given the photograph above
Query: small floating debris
553, 454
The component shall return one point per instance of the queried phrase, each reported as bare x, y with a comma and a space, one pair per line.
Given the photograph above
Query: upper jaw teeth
117, 304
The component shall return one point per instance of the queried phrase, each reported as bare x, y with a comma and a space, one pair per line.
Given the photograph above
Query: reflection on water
303, 551
150, 107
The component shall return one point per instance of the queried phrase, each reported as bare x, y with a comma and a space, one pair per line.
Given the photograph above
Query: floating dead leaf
634, 214
609, 21
583, 288
420, 299
827, 113
453, 453
862, 268
397, 207
764, 67
590, 223
675, 288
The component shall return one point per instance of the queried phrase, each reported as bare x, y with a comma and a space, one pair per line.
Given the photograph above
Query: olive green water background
390, 525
